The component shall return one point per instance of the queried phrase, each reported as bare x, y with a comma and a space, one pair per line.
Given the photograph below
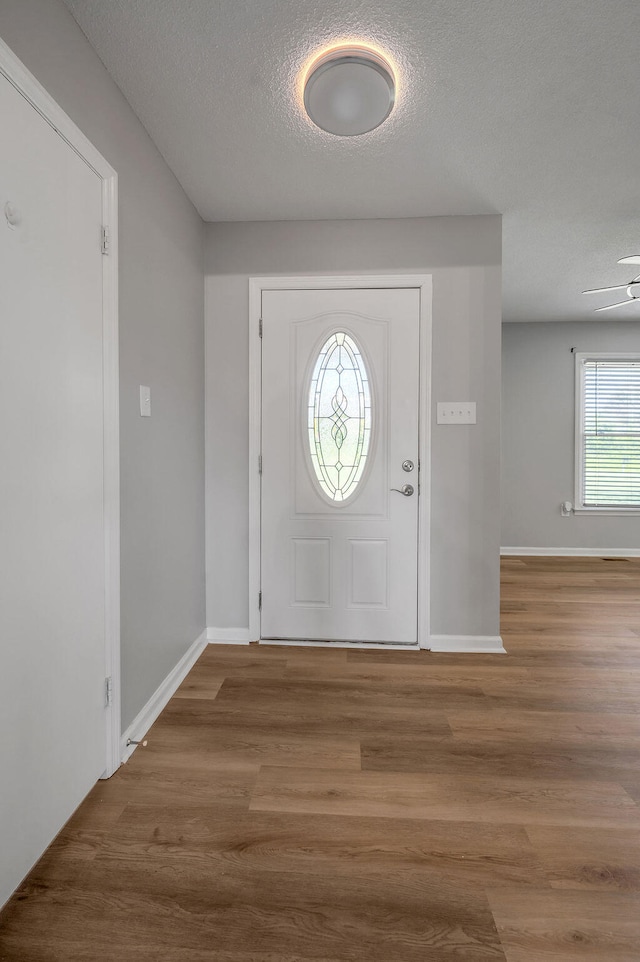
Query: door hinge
259, 601
108, 692
259, 464
260, 328
106, 240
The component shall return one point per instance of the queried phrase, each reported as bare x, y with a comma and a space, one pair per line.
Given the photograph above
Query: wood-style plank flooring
315, 805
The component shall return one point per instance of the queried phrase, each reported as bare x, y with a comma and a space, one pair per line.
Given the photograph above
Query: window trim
578, 507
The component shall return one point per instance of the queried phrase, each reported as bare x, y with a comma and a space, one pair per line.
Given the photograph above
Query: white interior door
52, 526
339, 495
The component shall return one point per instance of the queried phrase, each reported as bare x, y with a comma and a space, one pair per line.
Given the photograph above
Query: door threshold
319, 643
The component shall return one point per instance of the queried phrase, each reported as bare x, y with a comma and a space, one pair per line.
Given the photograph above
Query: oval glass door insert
340, 417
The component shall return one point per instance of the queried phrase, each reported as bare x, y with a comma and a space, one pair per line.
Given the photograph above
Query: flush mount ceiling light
349, 90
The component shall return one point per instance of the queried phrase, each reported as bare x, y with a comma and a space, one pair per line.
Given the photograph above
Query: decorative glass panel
339, 419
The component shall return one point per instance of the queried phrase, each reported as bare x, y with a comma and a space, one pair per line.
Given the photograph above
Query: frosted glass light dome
349, 91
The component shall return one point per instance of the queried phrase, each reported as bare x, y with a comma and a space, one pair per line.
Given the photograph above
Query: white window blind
610, 432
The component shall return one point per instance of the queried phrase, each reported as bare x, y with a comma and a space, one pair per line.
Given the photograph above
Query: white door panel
52, 550
339, 570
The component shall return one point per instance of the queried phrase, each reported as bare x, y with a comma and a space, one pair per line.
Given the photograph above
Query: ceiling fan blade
630, 259
610, 307
601, 290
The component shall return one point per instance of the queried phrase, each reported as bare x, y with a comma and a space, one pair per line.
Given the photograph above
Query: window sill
611, 512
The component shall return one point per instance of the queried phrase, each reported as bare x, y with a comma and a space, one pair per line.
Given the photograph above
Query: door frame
26, 84
422, 283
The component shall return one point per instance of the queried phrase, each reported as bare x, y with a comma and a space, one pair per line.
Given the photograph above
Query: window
608, 432
339, 417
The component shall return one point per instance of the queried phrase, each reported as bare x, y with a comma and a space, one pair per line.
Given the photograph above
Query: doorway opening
339, 444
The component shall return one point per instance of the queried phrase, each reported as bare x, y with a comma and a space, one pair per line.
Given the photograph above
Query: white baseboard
468, 644
228, 636
572, 552
146, 717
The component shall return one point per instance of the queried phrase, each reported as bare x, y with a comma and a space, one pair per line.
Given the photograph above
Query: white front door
339, 495
52, 524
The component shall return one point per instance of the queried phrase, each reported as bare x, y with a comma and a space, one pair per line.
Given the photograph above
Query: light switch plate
145, 401
456, 412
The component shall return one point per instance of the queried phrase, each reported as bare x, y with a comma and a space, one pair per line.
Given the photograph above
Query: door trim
26, 84
420, 282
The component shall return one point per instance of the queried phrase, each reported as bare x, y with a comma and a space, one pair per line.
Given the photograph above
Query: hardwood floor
305, 805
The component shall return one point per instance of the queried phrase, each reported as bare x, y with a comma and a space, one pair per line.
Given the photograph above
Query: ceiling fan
632, 286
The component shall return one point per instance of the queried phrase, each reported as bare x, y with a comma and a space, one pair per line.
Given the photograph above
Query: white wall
538, 431
464, 256
161, 344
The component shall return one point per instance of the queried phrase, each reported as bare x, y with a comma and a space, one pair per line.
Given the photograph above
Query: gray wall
538, 431
464, 256
161, 344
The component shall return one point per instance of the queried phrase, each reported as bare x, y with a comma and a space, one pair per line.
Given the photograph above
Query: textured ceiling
528, 108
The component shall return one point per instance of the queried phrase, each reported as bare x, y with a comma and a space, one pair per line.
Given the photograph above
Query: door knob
406, 489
